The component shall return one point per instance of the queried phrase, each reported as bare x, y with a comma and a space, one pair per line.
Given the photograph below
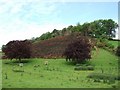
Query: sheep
46, 63
21, 64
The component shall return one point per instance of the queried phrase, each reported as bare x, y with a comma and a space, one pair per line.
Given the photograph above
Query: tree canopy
17, 49
78, 50
99, 28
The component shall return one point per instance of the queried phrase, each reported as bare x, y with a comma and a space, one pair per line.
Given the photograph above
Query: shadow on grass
72, 63
69, 63
22, 61
14, 61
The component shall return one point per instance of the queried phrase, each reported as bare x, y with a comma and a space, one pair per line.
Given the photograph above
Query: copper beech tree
17, 49
78, 50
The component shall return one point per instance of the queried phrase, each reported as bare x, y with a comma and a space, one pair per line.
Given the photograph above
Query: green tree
46, 36
78, 27
110, 27
55, 33
85, 29
63, 31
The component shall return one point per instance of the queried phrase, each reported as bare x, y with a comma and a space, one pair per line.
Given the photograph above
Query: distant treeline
102, 28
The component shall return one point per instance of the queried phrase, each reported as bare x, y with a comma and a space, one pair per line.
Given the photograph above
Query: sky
24, 19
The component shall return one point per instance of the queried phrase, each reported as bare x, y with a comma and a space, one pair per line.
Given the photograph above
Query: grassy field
59, 73
115, 43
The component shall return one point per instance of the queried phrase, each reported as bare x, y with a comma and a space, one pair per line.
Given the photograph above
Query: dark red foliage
51, 48
17, 49
78, 50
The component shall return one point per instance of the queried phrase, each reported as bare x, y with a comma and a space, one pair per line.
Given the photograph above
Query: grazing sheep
46, 62
21, 64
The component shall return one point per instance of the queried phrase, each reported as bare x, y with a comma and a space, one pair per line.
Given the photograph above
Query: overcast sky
24, 19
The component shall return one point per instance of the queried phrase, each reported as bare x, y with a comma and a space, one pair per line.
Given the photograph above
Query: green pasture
115, 43
58, 73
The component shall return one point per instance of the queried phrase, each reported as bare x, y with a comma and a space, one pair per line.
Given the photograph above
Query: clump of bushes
101, 45
84, 68
18, 70
109, 45
105, 44
114, 86
106, 78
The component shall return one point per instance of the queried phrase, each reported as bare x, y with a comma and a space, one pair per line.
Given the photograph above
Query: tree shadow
72, 63
14, 61
69, 63
23, 61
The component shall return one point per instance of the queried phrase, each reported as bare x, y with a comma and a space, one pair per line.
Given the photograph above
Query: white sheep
21, 64
46, 62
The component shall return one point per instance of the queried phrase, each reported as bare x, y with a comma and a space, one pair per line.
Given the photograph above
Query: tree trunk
20, 60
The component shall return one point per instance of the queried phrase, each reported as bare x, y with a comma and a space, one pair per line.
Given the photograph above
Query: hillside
52, 44
51, 48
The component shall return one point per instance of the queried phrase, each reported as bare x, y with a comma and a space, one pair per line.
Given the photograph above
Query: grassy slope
60, 73
115, 43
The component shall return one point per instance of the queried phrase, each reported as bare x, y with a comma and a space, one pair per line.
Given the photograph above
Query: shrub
104, 77
106, 45
90, 67
114, 86
18, 70
84, 68
118, 51
97, 75
109, 45
100, 44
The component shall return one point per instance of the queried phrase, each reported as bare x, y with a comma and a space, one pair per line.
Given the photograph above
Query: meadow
115, 43
59, 73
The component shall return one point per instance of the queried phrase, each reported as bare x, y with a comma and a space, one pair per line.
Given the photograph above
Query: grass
115, 43
58, 73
